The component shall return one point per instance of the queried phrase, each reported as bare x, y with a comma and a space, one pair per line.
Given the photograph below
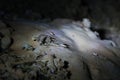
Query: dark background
104, 12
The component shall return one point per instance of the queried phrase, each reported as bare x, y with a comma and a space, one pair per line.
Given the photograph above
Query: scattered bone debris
49, 40
48, 67
64, 45
44, 39
95, 54
28, 47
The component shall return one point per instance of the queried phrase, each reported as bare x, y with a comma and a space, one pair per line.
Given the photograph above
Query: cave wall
104, 14
101, 12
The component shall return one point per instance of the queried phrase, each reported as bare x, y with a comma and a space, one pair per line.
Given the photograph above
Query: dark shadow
66, 64
69, 74
102, 32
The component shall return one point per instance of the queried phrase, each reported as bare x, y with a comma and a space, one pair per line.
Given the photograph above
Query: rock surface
60, 50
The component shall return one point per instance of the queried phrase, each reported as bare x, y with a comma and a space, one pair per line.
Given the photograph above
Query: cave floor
63, 51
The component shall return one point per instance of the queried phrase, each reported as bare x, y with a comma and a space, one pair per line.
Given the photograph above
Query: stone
86, 22
5, 42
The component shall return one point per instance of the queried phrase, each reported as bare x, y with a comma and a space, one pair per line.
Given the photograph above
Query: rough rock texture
5, 36
104, 14
62, 49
